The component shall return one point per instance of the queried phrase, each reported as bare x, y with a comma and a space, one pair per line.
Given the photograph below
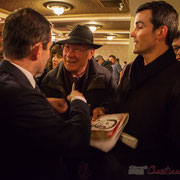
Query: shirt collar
26, 73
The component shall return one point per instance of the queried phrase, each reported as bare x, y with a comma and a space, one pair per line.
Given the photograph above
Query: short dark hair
162, 14
177, 36
22, 30
112, 56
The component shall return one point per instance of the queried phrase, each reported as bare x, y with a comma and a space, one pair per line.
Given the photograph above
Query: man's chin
38, 74
69, 68
135, 51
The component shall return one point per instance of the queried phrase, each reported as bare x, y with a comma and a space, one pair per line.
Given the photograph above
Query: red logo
166, 171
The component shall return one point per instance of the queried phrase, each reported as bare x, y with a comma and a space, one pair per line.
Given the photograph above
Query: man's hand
58, 104
74, 93
98, 112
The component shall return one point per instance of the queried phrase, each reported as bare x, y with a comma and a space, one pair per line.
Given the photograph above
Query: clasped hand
60, 105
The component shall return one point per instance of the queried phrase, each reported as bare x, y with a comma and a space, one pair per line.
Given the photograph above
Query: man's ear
36, 51
91, 53
162, 32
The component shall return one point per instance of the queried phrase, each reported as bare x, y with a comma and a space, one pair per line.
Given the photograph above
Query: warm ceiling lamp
58, 7
110, 37
93, 27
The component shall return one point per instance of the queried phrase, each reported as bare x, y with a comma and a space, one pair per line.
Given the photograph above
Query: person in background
104, 63
1, 41
54, 60
94, 81
122, 64
56, 56
150, 92
116, 68
125, 62
176, 45
35, 139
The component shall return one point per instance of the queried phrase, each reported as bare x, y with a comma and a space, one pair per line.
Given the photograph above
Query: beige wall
133, 6
124, 52
120, 51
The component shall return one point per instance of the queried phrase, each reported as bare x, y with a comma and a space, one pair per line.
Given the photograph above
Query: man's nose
70, 53
132, 34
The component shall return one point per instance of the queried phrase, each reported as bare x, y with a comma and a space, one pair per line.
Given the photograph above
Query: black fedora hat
80, 35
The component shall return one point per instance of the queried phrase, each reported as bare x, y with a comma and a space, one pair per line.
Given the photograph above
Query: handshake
60, 104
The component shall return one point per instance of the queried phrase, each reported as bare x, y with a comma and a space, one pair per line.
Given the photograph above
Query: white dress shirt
33, 83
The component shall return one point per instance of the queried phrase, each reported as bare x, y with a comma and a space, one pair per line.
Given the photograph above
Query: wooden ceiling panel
103, 12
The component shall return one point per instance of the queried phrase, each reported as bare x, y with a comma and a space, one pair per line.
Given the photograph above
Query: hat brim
76, 41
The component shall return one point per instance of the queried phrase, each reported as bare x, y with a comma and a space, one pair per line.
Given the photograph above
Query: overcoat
151, 96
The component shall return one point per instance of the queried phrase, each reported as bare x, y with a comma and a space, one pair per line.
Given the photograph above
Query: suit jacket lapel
7, 67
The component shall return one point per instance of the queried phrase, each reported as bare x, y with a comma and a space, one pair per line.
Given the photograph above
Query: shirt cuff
78, 97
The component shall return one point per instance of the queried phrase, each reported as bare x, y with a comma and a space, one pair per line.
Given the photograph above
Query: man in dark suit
1, 46
34, 138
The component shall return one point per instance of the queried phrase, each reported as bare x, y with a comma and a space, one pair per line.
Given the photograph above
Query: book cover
105, 130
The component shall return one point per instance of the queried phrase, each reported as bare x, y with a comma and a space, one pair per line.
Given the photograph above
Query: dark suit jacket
34, 139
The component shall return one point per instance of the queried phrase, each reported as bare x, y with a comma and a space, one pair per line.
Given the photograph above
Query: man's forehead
143, 16
111, 57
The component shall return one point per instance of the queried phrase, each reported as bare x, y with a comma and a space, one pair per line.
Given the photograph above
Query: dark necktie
76, 80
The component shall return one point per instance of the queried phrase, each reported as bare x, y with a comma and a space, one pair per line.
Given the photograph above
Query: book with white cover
105, 130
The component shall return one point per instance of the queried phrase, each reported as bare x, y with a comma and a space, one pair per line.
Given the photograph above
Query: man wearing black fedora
79, 67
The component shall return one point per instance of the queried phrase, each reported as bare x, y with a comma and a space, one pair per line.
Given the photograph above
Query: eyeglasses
176, 49
74, 50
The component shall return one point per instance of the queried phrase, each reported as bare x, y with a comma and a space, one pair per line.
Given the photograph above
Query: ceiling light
110, 37
93, 27
58, 10
58, 7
